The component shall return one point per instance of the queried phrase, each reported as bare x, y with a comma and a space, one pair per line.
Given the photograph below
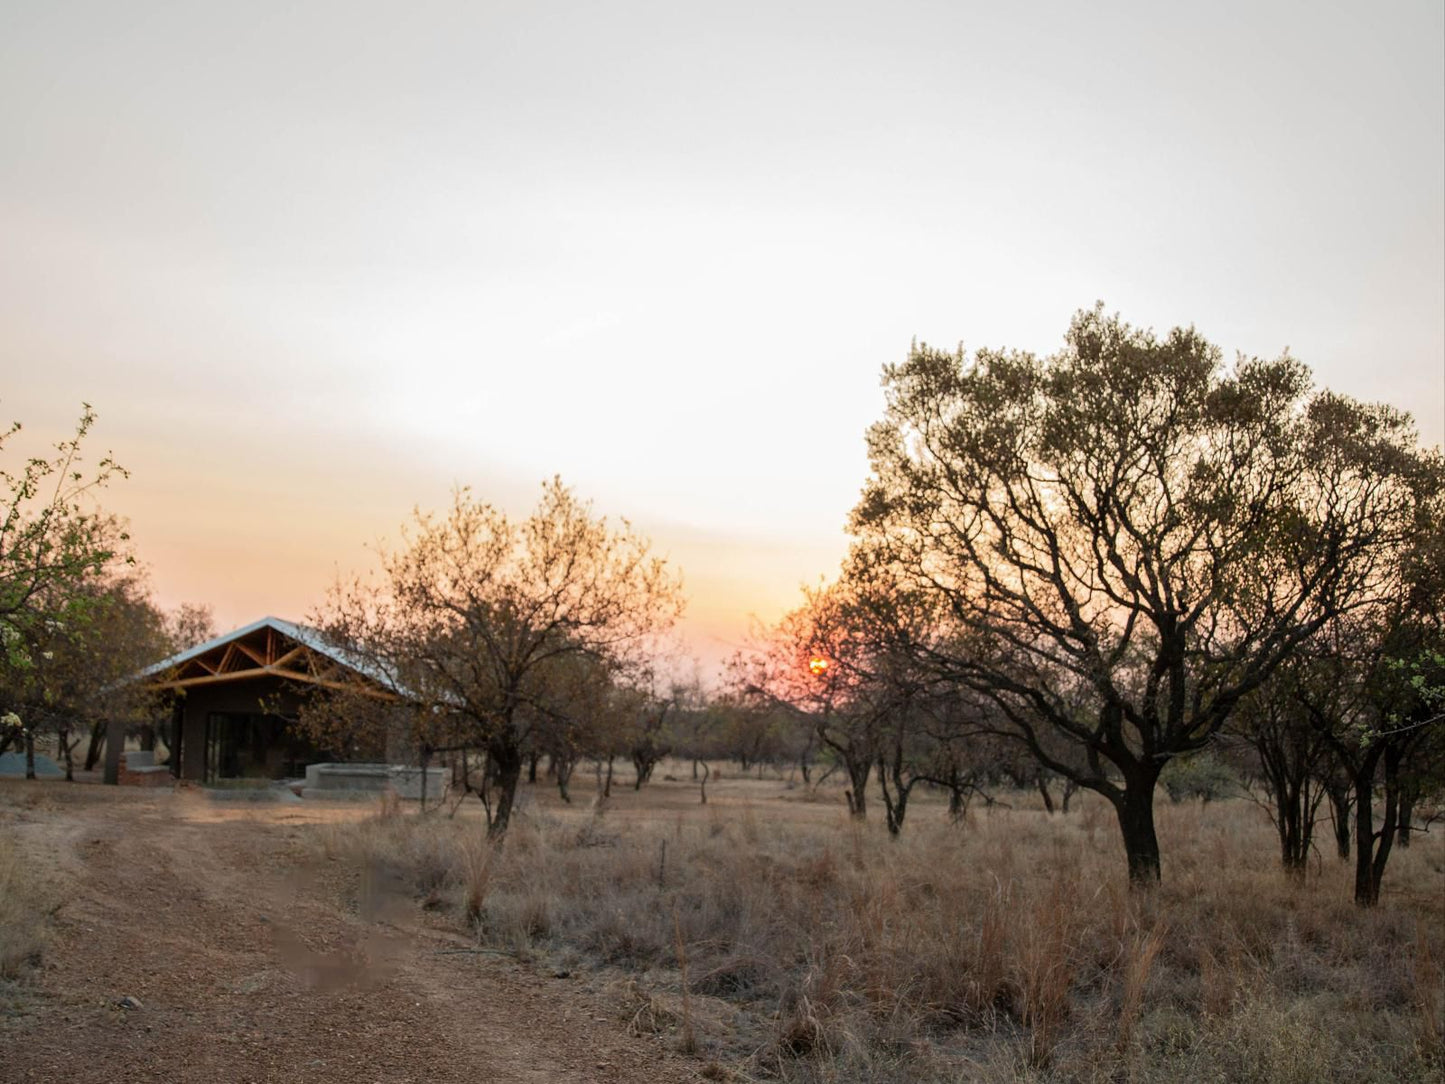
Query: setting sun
818, 666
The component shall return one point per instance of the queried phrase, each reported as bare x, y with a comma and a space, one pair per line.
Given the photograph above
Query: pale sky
316, 263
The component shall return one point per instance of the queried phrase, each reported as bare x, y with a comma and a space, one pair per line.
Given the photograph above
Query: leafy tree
474, 616
53, 541
56, 547
1128, 537
73, 684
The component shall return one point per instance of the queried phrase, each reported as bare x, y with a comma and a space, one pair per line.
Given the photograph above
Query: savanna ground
761, 936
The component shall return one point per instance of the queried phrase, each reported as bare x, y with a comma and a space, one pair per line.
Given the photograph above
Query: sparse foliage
475, 615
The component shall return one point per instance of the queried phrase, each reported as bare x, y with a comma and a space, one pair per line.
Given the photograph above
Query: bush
1200, 776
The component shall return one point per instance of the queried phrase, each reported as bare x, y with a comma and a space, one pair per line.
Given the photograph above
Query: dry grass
24, 909
1005, 949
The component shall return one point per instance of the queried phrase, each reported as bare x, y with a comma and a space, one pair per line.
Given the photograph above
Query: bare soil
253, 960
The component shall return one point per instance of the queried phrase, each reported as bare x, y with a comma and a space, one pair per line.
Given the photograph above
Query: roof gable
268, 647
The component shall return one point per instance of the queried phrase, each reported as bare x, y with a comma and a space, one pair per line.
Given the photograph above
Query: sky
314, 264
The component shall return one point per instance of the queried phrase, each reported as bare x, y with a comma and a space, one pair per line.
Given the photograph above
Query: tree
1377, 705
1292, 755
475, 615
52, 540
55, 548
74, 683
810, 664
1128, 537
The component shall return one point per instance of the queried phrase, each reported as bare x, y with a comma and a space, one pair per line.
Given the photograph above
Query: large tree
1127, 537
475, 616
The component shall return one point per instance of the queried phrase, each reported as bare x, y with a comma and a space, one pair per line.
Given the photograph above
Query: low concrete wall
370, 780
408, 782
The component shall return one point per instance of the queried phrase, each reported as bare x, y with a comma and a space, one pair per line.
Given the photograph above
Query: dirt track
254, 961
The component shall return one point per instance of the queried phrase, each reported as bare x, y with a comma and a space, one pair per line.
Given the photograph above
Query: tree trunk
532, 759
858, 795
607, 786
1369, 844
1340, 813
895, 801
97, 743
702, 784
507, 765
1070, 789
29, 753
1408, 795
562, 768
1043, 785
1367, 890
1135, 809
148, 738
1294, 821
643, 763
1372, 856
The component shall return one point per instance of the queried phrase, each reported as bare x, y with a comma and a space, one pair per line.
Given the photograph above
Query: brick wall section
147, 776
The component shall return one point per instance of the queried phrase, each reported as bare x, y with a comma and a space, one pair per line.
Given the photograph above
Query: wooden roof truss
265, 652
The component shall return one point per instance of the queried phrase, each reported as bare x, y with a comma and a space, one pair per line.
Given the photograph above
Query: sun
818, 665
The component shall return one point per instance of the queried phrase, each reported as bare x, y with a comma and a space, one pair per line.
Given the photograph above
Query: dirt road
253, 959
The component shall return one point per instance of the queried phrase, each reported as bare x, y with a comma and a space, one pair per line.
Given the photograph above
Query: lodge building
234, 702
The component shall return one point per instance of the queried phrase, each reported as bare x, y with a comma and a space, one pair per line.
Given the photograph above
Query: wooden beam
294, 653
257, 657
344, 686
274, 671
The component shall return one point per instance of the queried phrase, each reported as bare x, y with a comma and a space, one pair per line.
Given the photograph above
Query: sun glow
818, 666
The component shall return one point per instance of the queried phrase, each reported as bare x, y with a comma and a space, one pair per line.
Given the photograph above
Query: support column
178, 727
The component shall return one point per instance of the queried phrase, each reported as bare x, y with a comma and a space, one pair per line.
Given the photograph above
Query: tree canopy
475, 616
1128, 536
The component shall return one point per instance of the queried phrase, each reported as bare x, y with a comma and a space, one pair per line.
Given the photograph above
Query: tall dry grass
1005, 949
24, 909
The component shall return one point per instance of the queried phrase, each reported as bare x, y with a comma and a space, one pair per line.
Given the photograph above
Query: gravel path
248, 965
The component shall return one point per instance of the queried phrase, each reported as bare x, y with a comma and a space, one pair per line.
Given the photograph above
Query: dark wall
244, 696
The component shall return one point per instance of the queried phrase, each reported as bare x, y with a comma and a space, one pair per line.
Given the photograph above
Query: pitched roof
310, 638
